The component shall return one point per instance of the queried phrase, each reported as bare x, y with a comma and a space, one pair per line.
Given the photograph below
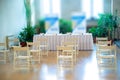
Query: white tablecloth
85, 41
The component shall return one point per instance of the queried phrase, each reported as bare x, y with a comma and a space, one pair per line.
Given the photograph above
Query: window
92, 8
50, 7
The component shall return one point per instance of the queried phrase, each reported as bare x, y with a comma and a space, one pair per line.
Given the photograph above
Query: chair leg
39, 56
115, 61
14, 64
75, 57
5, 57
47, 52
28, 63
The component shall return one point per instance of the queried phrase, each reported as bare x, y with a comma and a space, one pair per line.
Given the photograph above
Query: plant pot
23, 44
94, 39
37, 30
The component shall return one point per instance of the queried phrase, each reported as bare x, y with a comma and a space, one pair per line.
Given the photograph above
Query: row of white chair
34, 51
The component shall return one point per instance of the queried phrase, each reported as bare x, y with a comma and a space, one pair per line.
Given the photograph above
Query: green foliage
28, 11
106, 24
101, 32
106, 21
98, 31
65, 26
40, 27
93, 31
26, 35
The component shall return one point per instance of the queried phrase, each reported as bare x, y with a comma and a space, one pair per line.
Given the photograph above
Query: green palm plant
28, 11
65, 26
26, 35
107, 24
93, 30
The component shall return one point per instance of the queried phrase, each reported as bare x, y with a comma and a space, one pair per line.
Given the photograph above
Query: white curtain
92, 8
49, 7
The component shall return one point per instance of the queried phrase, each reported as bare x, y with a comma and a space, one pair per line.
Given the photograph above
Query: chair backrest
30, 45
104, 43
20, 51
33, 45
13, 42
111, 49
61, 48
101, 39
43, 41
3, 46
107, 47
65, 50
17, 48
69, 41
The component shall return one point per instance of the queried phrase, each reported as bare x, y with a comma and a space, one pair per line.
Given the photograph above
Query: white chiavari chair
103, 43
65, 57
22, 58
34, 49
73, 43
43, 45
107, 55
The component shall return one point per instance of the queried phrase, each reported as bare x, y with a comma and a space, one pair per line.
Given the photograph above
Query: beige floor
85, 69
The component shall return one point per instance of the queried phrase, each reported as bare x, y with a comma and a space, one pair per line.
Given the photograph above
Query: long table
85, 41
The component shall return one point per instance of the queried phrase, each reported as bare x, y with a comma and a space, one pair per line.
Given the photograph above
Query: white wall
12, 17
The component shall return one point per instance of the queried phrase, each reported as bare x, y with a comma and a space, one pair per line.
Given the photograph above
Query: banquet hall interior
59, 39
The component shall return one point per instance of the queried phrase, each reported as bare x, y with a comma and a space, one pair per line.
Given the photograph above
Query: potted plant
65, 26
40, 27
105, 27
108, 23
93, 30
26, 35
98, 32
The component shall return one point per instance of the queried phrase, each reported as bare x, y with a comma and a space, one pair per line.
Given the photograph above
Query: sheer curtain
92, 8
50, 7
